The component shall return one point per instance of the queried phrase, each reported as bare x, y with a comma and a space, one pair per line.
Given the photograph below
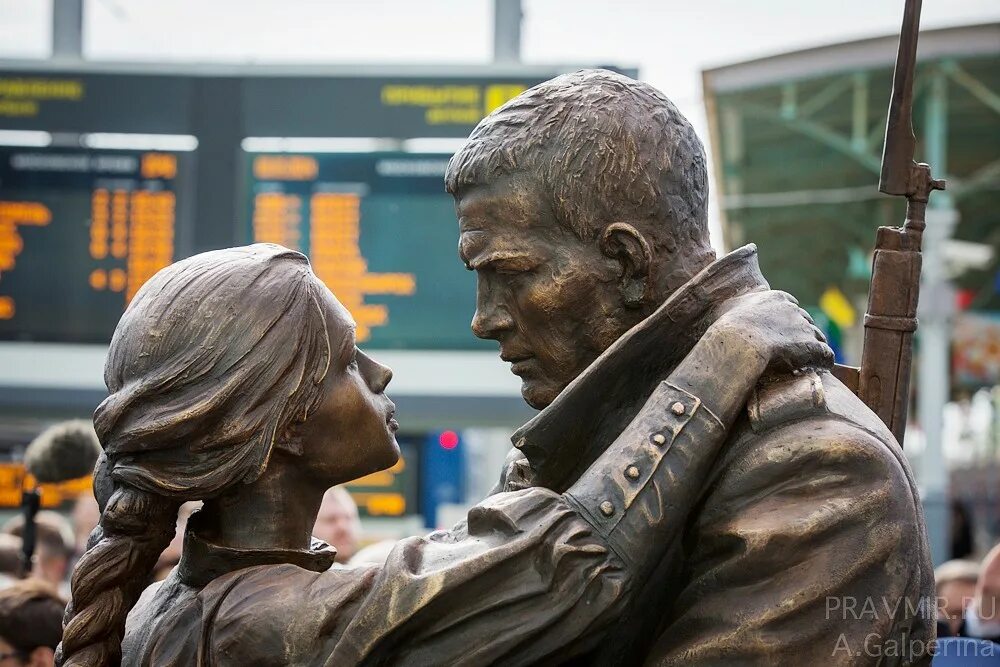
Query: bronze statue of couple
695, 490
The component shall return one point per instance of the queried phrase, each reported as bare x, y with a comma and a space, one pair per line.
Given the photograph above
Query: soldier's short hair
607, 148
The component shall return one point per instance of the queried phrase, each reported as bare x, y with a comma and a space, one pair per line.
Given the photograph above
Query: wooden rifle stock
891, 319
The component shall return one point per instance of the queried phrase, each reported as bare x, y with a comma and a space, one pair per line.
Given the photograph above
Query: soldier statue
697, 487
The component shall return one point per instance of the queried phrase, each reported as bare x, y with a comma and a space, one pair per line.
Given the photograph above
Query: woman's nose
376, 375
384, 377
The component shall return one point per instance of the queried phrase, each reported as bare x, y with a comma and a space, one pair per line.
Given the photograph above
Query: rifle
883, 381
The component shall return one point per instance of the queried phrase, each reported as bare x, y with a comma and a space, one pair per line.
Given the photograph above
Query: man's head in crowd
172, 554
955, 582
11, 548
86, 516
30, 624
54, 548
337, 523
987, 600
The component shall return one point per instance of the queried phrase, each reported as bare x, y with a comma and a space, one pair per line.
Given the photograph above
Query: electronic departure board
80, 232
380, 231
81, 229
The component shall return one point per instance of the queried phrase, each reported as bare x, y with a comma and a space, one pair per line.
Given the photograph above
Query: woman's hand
772, 324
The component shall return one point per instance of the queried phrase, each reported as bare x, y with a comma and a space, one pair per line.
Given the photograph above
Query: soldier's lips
521, 366
519, 360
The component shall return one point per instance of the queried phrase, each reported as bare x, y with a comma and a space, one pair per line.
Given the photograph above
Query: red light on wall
964, 298
448, 440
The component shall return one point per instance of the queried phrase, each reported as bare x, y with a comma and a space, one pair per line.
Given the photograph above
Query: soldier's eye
514, 267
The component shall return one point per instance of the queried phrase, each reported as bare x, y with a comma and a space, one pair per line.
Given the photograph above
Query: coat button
677, 408
607, 509
632, 472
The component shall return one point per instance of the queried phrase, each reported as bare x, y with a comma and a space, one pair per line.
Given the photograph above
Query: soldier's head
582, 206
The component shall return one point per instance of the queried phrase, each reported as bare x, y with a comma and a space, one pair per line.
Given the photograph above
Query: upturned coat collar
562, 440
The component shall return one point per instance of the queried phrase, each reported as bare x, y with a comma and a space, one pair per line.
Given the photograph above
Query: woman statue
234, 379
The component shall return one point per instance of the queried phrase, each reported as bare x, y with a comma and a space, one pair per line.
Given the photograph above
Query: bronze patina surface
697, 488
582, 209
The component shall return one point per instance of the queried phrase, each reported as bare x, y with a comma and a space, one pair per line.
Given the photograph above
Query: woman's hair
217, 358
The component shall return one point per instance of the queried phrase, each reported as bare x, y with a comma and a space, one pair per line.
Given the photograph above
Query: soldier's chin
538, 394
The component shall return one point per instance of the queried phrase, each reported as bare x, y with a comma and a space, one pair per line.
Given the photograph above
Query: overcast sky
670, 41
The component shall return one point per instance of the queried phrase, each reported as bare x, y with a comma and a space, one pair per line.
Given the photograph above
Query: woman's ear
623, 242
291, 440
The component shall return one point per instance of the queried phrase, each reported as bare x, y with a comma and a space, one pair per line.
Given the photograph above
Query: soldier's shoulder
816, 458
811, 396
812, 425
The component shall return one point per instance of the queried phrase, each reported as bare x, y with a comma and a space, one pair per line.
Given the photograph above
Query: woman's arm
538, 575
638, 494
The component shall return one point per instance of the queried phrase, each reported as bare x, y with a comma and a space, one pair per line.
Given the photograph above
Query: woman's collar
203, 561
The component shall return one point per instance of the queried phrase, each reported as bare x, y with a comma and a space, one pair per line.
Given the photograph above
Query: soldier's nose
491, 323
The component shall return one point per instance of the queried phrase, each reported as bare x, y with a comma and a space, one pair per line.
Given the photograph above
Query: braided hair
215, 361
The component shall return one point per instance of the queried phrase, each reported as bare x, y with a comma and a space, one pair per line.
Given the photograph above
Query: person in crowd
234, 377
170, 556
982, 615
53, 550
10, 559
955, 584
337, 523
962, 543
30, 624
373, 554
85, 516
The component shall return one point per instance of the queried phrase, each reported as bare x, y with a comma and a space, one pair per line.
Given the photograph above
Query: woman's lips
390, 420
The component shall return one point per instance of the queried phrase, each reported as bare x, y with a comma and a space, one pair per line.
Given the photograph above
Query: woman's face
352, 433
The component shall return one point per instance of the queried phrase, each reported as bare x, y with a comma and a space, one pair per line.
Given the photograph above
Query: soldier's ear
623, 242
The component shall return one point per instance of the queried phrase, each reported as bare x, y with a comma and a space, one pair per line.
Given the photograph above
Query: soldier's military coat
808, 545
